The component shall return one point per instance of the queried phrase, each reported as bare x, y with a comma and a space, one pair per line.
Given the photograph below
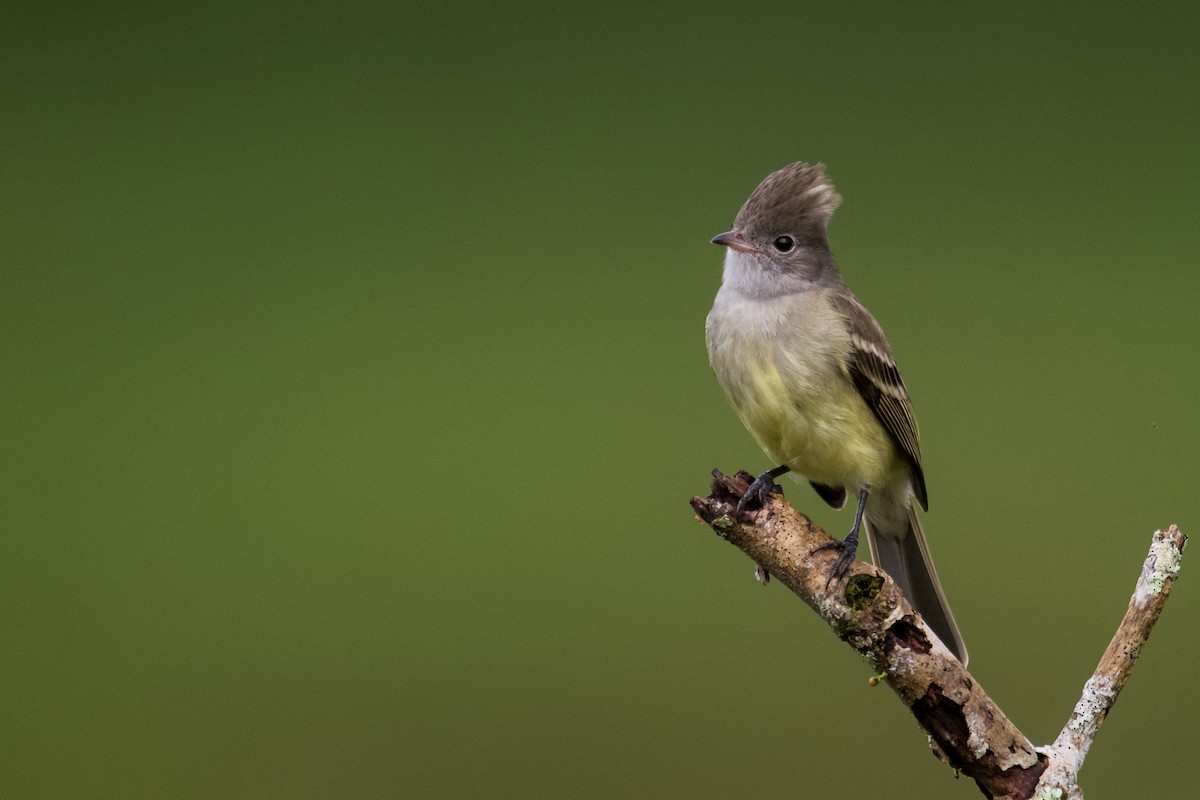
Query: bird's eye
784, 243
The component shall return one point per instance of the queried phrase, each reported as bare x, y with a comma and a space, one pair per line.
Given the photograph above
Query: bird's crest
789, 197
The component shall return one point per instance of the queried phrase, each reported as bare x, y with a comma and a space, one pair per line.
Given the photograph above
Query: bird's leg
848, 547
762, 487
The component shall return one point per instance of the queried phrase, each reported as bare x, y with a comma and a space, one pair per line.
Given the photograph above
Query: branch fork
867, 610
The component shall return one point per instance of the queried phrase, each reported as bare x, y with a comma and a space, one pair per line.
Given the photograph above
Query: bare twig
868, 611
1159, 572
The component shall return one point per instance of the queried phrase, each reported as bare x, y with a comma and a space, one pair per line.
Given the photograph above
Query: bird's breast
781, 363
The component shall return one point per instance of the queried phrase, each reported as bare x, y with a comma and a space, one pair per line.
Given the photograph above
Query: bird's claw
758, 494
847, 551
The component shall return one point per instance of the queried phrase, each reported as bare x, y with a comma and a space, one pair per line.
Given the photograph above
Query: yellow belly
820, 428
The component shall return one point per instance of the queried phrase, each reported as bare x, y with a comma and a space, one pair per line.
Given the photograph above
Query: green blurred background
355, 388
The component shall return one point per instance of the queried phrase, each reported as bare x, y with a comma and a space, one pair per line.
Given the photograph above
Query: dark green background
355, 388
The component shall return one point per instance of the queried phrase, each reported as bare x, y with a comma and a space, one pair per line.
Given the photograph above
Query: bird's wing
834, 495
873, 372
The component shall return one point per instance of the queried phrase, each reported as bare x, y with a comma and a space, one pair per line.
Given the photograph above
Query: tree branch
1159, 572
868, 611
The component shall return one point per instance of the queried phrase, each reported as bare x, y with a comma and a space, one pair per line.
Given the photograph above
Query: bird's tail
904, 555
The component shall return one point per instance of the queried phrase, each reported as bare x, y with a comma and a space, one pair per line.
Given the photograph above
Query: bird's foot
760, 491
847, 550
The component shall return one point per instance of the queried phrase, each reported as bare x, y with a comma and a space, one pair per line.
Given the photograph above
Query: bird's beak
734, 240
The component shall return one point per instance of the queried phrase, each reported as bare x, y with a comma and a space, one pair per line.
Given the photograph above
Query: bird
809, 372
